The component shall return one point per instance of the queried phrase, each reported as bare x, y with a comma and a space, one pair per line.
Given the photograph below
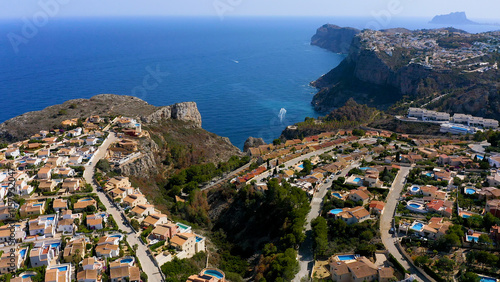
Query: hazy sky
475, 9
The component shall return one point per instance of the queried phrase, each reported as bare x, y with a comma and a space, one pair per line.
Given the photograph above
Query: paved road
147, 262
291, 162
228, 177
306, 255
386, 221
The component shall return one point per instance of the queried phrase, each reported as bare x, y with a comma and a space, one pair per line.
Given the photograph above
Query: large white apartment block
475, 121
469, 120
424, 114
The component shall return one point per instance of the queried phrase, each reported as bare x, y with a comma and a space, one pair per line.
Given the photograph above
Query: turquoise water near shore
240, 71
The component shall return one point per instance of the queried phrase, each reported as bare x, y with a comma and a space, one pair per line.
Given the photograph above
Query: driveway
306, 254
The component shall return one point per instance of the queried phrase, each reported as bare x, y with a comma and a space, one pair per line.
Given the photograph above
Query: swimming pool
470, 191
301, 166
63, 268
85, 200
50, 218
335, 211
416, 206
415, 189
418, 226
127, 260
357, 179
337, 195
55, 245
198, 239
472, 239
465, 215
364, 168
346, 257
38, 205
116, 236
214, 273
487, 279
25, 276
183, 227
429, 174
22, 252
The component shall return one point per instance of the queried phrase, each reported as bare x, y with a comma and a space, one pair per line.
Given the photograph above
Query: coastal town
427, 208
438, 49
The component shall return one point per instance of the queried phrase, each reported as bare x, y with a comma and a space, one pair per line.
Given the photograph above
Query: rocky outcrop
456, 18
25, 125
187, 111
146, 164
252, 142
334, 38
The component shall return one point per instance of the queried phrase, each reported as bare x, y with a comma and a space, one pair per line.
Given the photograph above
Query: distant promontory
334, 38
459, 18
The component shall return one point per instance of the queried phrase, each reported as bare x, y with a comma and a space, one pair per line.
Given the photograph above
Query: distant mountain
459, 18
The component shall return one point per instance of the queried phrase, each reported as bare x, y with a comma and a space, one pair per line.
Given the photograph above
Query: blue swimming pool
465, 216
472, 239
487, 279
301, 166
470, 191
418, 226
415, 188
479, 157
198, 239
116, 236
22, 252
346, 257
38, 205
127, 260
50, 218
85, 200
429, 174
182, 226
337, 195
357, 179
416, 206
63, 268
25, 276
364, 168
335, 211
214, 273
55, 245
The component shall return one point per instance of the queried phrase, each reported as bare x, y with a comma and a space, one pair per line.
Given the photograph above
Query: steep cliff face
148, 164
25, 125
334, 38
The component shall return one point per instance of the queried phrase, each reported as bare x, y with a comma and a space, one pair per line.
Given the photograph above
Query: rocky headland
388, 69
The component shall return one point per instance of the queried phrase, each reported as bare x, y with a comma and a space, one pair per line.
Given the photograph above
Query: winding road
147, 262
386, 221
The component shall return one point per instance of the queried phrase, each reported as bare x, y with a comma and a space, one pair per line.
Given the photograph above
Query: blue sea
240, 71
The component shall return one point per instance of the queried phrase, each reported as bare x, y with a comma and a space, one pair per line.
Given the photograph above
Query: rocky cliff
369, 78
252, 142
383, 77
334, 38
187, 111
25, 125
